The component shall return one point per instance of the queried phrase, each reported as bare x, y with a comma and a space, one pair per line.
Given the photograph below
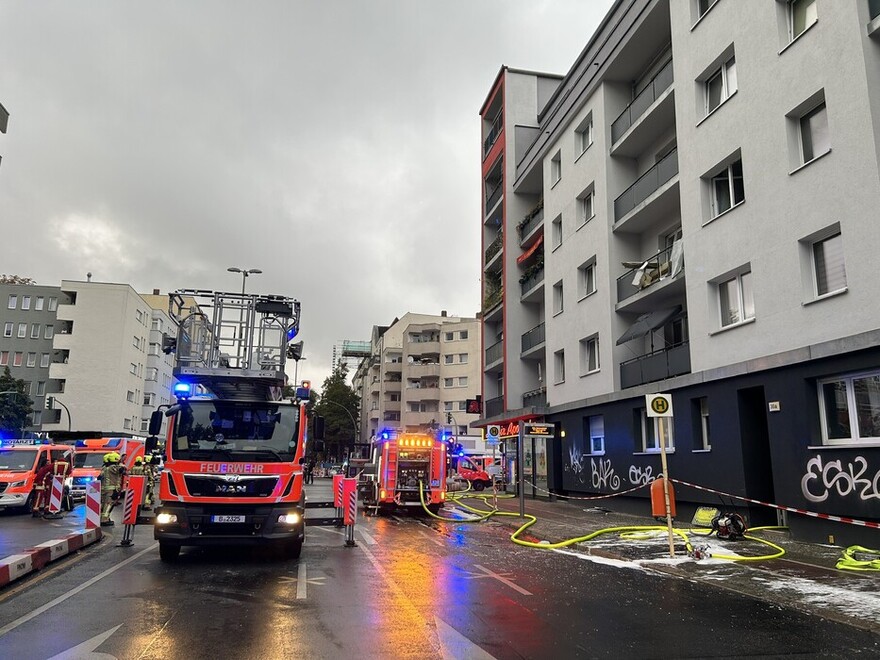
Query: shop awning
528, 253
648, 323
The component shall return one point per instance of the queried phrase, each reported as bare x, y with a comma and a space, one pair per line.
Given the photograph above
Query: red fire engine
233, 469
404, 464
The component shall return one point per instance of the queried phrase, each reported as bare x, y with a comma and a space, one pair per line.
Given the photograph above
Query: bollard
93, 505
56, 493
350, 505
132, 503
337, 495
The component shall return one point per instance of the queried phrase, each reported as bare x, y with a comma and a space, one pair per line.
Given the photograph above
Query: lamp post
50, 404
354, 425
244, 274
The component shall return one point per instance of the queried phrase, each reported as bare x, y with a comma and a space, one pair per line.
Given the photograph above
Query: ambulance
19, 462
88, 458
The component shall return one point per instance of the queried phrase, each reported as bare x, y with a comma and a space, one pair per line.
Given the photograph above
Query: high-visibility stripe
93, 505
57, 491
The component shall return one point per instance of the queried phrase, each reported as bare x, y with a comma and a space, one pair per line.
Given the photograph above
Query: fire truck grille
3, 487
230, 486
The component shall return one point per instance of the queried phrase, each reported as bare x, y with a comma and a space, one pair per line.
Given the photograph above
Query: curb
14, 567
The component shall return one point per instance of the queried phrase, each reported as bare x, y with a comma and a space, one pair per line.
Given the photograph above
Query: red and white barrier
16, 566
93, 505
55, 495
350, 498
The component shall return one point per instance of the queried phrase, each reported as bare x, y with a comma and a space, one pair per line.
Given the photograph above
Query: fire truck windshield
89, 459
17, 460
235, 431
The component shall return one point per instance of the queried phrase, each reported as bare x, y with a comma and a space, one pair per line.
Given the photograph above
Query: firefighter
150, 465
61, 467
42, 478
111, 485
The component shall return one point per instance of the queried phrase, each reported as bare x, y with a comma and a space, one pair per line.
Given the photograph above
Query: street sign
659, 405
540, 430
493, 432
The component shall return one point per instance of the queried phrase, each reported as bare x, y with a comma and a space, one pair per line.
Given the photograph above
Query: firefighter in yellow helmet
111, 485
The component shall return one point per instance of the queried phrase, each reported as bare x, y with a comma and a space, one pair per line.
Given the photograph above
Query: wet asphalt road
411, 588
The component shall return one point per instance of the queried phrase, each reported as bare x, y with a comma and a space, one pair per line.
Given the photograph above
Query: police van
20, 460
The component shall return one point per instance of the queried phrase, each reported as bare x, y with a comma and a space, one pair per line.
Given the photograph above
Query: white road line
332, 531
73, 592
369, 539
301, 582
503, 579
431, 538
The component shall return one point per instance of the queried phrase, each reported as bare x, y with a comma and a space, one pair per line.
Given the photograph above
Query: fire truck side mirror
155, 423
151, 443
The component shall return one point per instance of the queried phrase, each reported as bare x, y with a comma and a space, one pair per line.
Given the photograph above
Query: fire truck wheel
29, 503
169, 552
479, 485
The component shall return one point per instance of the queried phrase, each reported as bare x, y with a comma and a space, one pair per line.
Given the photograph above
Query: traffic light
50, 402
449, 418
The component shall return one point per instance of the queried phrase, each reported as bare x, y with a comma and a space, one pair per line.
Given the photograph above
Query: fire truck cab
20, 460
88, 458
405, 465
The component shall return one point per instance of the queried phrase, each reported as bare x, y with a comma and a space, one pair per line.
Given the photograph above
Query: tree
339, 406
16, 407
16, 279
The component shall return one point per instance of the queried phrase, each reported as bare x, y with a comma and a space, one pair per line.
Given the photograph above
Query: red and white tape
803, 512
586, 497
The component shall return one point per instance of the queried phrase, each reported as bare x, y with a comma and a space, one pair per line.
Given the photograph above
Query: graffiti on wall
639, 476
603, 474
852, 479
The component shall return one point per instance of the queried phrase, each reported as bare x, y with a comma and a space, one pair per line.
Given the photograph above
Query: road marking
454, 645
501, 578
332, 531
369, 539
86, 650
431, 538
73, 592
301, 580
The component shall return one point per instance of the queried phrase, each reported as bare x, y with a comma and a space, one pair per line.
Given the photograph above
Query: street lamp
244, 274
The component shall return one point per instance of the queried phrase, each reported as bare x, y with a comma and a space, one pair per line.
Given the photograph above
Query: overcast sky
333, 144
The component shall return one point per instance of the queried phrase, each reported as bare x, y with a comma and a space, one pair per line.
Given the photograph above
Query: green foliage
339, 406
16, 407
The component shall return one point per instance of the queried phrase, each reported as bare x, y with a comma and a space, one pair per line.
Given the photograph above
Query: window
41, 388
448, 405
556, 168
129, 396
650, 433
594, 429
157, 324
449, 336
4, 358
35, 330
462, 358
145, 425
7, 329
447, 382
462, 381
53, 304
463, 334
462, 405
38, 303
849, 407
829, 273
13, 302
32, 359
801, 15
583, 135
133, 369
44, 360
154, 348
152, 373
587, 279
449, 359
701, 417
557, 231
735, 299
589, 355
38, 417
136, 342
703, 6
25, 302
815, 140
727, 188
22, 330
586, 211
50, 332
557, 298
720, 85
16, 359
559, 366
126, 424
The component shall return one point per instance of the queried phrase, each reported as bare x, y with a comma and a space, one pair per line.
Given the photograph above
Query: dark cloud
333, 144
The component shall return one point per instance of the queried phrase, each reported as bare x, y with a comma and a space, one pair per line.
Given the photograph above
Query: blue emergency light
182, 390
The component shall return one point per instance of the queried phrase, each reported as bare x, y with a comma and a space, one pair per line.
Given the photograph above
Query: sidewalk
27, 544
804, 578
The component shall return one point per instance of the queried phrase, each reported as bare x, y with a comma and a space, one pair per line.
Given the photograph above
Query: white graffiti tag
820, 479
603, 474
574, 456
640, 476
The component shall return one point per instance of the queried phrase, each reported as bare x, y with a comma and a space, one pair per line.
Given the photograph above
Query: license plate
227, 519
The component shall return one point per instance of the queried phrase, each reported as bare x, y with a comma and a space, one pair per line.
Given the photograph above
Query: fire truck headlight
442, 495
166, 519
289, 518
18, 484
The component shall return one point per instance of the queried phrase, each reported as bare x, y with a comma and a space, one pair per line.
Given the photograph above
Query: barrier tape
587, 497
803, 512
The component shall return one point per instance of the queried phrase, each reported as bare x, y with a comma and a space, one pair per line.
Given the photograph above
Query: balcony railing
643, 275
659, 365
494, 407
533, 337
532, 220
659, 84
494, 352
493, 299
494, 132
493, 196
646, 185
536, 398
532, 281
494, 247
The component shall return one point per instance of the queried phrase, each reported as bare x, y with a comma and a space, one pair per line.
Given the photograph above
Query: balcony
531, 283
494, 407
391, 385
658, 365
535, 399
392, 406
494, 353
493, 300
651, 113
423, 369
533, 220
423, 393
494, 132
646, 185
393, 367
661, 267
533, 339
494, 248
414, 418
493, 195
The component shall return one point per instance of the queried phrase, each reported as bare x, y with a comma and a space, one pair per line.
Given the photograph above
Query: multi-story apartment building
692, 209
28, 321
100, 358
421, 371
159, 378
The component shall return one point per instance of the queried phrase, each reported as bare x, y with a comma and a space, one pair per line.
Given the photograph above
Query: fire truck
88, 458
406, 463
234, 448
